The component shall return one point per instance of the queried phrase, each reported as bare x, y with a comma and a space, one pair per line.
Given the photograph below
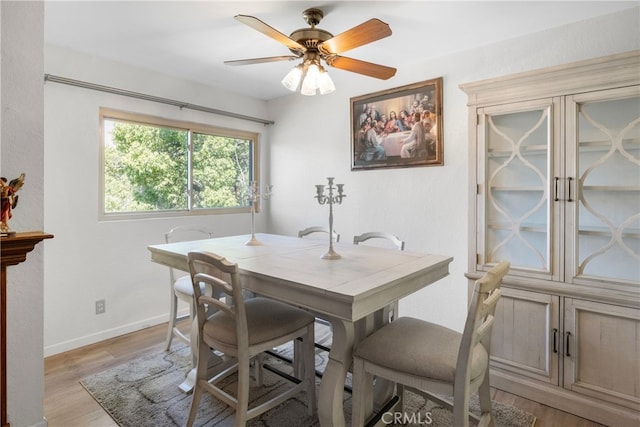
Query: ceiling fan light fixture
292, 80
313, 76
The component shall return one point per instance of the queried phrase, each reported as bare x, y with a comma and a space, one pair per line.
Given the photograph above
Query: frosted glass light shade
325, 84
310, 81
292, 80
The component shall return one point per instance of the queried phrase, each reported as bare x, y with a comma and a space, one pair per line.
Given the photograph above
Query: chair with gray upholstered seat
243, 329
432, 359
180, 287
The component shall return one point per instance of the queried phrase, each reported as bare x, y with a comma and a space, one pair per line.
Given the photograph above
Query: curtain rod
179, 104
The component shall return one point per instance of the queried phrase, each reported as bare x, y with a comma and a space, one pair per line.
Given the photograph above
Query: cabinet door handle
555, 340
570, 199
567, 352
555, 197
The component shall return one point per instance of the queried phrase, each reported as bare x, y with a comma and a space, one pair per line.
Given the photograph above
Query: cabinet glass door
605, 201
517, 142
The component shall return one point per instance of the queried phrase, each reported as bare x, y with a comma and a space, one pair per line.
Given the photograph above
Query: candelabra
330, 199
254, 195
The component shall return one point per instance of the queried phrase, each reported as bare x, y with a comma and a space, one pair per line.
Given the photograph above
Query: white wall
91, 259
426, 206
22, 106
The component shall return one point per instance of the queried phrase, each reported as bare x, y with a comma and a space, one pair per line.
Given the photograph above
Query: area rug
144, 393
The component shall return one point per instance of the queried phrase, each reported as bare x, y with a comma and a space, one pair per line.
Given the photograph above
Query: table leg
330, 407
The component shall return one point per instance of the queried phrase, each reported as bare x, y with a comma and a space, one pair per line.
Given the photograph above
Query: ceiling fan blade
265, 29
367, 32
361, 67
262, 60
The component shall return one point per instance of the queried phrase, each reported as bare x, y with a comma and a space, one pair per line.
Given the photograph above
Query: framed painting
399, 127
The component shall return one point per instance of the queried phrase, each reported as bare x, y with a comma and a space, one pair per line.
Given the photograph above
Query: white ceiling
191, 39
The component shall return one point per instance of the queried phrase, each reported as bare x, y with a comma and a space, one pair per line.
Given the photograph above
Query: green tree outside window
150, 168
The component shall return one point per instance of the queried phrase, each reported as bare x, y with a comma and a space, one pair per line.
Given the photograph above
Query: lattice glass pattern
609, 189
517, 208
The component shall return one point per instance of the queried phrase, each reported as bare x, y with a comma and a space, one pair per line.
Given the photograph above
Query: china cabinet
555, 189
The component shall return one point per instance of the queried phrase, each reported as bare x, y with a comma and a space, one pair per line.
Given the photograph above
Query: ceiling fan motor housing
310, 38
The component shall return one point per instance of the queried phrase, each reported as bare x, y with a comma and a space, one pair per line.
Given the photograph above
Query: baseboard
42, 423
106, 334
565, 400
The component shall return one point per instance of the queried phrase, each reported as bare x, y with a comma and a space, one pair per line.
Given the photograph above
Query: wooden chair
392, 311
429, 358
243, 329
399, 244
317, 229
180, 287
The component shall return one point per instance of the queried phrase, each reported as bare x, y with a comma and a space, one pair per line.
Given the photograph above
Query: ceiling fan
312, 44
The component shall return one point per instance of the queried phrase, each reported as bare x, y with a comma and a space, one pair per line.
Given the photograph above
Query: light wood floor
67, 404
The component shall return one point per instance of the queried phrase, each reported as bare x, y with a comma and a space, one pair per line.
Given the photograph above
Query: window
153, 166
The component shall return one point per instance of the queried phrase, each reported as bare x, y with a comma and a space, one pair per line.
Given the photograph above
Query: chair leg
310, 368
242, 405
195, 403
362, 395
258, 371
484, 394
201, 380
193, 332
297, 361
400, 393
173, 313
461, 408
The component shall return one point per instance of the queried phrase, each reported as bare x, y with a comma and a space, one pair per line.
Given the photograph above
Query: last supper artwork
398, 128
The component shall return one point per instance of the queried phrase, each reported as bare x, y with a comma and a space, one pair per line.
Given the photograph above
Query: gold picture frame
400, 127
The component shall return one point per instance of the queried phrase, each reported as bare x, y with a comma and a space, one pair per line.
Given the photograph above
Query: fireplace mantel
14, 249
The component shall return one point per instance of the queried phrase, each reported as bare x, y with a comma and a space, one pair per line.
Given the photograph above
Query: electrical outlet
100, 306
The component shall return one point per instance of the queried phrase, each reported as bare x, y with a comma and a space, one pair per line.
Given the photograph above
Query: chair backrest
318, 229
183, 233
222, 279
480, 318
379, 235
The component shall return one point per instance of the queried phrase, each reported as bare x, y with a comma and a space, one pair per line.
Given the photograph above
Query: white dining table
351, 292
